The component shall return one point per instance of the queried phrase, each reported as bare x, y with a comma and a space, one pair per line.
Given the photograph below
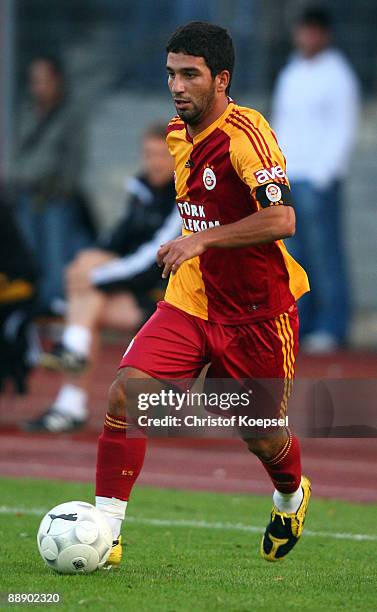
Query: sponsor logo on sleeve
268, 174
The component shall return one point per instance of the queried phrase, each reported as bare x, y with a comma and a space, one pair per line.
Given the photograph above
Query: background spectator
49, 157
315, 112
17, 297
115, 65
115, 284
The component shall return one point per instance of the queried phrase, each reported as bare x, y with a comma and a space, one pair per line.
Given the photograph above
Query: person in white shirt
315, 115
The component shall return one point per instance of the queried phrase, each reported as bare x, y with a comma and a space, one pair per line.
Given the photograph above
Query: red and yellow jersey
219, 175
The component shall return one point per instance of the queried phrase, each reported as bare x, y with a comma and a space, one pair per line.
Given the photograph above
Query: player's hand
175, 252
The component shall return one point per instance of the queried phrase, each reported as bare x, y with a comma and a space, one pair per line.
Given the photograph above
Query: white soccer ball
74, 538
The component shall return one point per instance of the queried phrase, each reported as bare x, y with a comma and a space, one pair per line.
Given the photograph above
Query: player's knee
265, 448
120, 400
124, 393
117, 397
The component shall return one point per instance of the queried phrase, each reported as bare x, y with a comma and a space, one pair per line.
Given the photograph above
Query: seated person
114, 284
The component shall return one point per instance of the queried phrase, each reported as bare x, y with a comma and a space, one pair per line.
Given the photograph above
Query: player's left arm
269, 188
267, 225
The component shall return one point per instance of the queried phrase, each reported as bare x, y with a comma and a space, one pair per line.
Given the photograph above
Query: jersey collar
199, 137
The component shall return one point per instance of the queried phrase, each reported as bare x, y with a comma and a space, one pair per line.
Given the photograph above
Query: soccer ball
74, 538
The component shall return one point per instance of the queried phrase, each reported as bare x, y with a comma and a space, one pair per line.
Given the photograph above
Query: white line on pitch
204, 525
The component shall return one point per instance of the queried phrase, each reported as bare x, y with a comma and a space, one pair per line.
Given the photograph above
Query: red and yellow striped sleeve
254, 152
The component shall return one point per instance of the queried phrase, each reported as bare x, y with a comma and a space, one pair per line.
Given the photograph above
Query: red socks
285, 469
121, 452
120, 458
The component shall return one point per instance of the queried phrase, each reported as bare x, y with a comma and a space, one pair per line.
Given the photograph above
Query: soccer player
231, 298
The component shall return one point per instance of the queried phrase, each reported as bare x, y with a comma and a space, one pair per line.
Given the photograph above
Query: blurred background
113, 53
108, 58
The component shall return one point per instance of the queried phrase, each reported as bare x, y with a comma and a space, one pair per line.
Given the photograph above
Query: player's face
158, 164
192, 86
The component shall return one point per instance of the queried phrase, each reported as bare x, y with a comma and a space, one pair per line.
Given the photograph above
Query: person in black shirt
115, 284
18, 278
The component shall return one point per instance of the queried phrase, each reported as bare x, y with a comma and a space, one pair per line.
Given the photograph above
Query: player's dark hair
316, 15
206, 40
156, 130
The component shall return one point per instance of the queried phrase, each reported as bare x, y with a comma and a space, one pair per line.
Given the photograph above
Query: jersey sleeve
259, 161
175, 126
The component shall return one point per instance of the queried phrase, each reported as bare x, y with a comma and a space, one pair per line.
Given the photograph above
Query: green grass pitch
196, 552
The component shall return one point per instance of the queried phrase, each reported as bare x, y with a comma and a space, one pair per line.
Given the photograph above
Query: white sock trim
288, 502
112, 506
114, 511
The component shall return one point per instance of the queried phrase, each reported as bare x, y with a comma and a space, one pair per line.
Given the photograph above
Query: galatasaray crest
209, 178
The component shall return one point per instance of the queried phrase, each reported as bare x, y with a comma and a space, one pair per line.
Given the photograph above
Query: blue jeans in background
55, 235
318, 247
